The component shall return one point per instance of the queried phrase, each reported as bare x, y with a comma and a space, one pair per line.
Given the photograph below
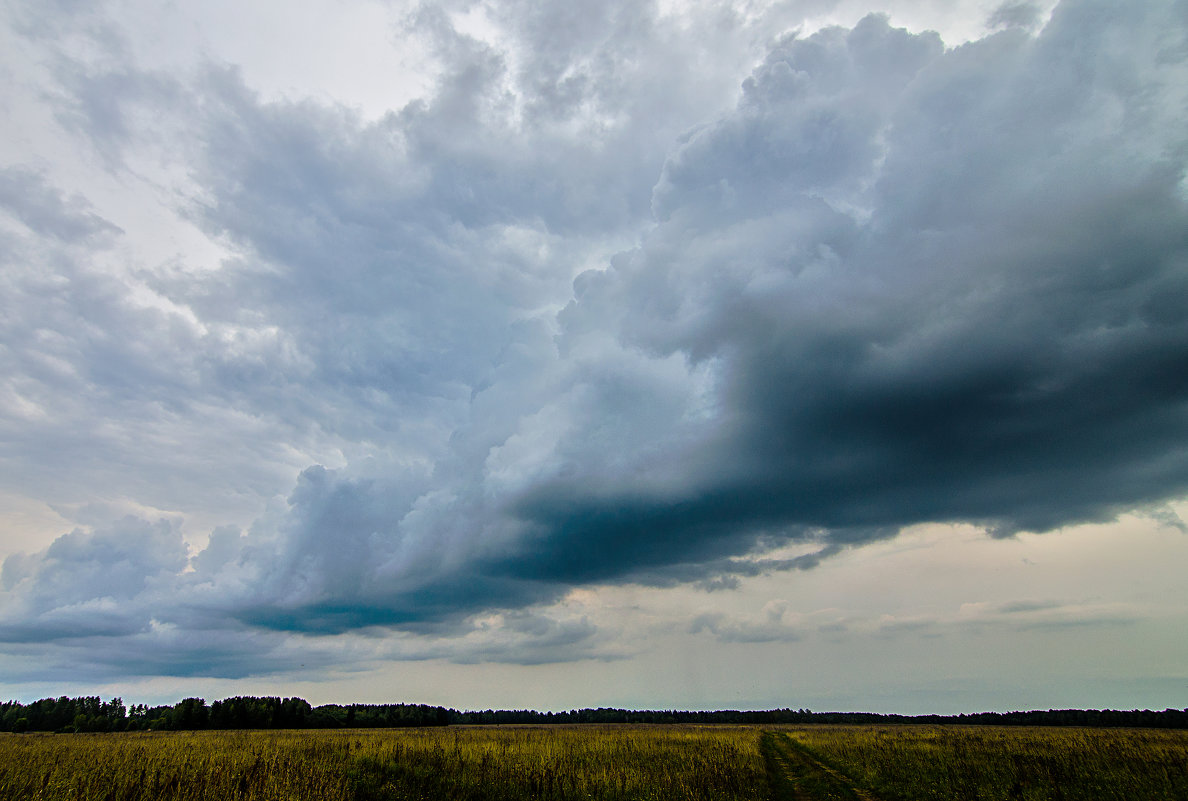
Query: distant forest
90, 714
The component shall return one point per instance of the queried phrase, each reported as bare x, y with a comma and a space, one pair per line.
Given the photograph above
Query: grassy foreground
913, 763
558, 763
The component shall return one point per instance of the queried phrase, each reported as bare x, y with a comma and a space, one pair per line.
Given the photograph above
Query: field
992, 762
785, 763
587, 762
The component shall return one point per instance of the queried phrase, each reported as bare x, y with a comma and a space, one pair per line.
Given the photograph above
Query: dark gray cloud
892, 284
996, 336
893, 329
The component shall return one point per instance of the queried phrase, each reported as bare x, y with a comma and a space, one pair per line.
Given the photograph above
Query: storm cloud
556, 325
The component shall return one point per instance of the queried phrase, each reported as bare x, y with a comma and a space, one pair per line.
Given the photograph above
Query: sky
769, 353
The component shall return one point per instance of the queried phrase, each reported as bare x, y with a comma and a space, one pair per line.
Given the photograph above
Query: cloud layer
563, 321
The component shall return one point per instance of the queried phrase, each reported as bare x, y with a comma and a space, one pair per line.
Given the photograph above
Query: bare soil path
794, 774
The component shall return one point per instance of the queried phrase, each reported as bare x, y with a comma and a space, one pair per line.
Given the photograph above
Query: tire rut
794, 774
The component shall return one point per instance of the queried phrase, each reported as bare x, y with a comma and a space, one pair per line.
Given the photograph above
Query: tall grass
1007, 763
562, 763
184, 766
568, 763
605, 763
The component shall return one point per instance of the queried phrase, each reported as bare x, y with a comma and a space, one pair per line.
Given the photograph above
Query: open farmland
891, 763
561, 762
999, 762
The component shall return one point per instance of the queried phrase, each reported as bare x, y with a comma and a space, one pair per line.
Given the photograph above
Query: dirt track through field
796, 775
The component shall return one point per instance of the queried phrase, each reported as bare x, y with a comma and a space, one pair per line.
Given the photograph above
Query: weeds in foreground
504, 764
990, 763
605, 763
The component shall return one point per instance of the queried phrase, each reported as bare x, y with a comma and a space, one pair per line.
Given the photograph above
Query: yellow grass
611, 763
678, 762
991, 762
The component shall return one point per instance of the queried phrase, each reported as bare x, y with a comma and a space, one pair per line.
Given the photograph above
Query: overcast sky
815, 353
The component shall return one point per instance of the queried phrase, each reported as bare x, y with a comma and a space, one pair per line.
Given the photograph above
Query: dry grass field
561, 762
730, 763
991, 762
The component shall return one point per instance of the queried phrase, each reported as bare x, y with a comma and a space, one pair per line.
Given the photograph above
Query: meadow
557, 762
612, 762
1002, 762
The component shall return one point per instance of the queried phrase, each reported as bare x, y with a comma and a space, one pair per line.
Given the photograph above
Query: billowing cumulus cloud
563, 321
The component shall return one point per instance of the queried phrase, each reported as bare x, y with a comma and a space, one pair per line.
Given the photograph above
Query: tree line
91, 714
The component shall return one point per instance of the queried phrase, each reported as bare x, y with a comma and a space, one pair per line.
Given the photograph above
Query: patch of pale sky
28, 523
146, 200
356, 54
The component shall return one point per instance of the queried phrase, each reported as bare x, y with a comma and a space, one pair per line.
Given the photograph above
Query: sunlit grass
589, 762
610, 763
985, 762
